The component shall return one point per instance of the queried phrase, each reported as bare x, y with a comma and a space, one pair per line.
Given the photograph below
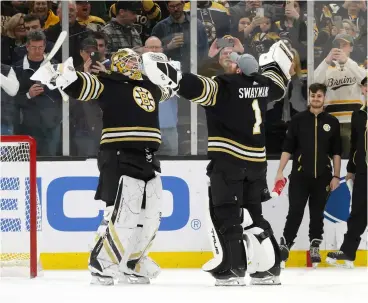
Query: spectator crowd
29, 30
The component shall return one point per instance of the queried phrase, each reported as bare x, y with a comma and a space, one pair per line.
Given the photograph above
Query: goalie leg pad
116, 231
225, 231
258, 240
139, 263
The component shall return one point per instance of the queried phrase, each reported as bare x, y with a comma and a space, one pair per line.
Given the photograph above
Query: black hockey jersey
358, 145
235, 108
129, 107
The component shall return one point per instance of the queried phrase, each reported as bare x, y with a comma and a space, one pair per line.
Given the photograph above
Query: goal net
20, 207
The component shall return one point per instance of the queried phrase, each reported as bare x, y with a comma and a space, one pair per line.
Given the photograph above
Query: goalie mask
127, 62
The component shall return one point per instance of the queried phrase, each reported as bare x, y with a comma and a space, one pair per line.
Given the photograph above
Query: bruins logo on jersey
144, 99
210, 30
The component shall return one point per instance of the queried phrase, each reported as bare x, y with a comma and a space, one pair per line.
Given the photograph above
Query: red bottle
279, 186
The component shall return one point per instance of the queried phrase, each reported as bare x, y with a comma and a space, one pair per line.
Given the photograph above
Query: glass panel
341, 35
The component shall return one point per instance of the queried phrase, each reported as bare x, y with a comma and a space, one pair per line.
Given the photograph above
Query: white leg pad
149, 223
260, 254
115, 233
216, 246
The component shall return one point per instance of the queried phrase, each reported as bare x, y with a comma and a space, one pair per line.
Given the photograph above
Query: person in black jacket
77, 33
313, 138
357, 172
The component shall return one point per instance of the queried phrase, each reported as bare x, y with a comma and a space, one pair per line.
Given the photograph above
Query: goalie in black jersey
128, 183
235, 105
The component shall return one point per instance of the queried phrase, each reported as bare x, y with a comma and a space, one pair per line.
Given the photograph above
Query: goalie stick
59, 42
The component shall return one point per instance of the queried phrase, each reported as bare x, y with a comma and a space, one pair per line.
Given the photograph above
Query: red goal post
20, 207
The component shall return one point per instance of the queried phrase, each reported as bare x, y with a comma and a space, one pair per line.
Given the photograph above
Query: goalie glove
160, 71
279, 58
55, 76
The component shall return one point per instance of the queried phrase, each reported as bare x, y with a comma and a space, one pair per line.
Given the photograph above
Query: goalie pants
113, 164
233, 188
357, 221
301, 188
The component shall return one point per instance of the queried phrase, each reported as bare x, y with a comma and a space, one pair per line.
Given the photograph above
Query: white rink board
74, 209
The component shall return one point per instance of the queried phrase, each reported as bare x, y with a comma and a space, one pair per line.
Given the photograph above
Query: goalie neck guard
127, 62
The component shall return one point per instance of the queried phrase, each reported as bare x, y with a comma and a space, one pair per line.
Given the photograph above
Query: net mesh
15, 201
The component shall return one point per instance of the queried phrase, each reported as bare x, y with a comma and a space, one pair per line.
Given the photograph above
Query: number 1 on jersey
257, 114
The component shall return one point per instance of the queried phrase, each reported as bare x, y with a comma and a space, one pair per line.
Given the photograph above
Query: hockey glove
160, 71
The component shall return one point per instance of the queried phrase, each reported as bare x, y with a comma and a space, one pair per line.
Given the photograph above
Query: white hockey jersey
343, 88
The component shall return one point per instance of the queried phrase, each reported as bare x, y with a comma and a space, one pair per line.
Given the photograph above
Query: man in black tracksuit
357, 171
313, 138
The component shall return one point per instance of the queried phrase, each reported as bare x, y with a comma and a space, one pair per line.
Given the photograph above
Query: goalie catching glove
160, 71
56, 75
278, 59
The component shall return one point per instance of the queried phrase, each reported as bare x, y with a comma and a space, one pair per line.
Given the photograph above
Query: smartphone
95, 56
260, 12
225, 43
40, 83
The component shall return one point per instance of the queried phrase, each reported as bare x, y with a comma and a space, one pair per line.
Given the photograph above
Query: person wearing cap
356, 174
84, 17
313, 139
85, 117
120, 31
342, 76
235, 104
146, 20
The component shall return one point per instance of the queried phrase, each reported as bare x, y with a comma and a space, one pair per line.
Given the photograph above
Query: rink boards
70, 215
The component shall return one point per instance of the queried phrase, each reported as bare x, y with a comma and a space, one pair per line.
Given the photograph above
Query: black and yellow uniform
235, 107
312, 140
357, 165
130, 133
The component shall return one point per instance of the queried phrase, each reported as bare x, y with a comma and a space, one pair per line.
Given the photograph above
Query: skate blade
130, 279
230, 282
270, 280
104, 281
340, 263
315, 265
283, 265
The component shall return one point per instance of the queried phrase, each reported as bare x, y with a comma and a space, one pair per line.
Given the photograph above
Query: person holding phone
342, 76
90, 55
40, 106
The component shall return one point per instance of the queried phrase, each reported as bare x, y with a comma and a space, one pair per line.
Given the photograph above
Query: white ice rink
299, 285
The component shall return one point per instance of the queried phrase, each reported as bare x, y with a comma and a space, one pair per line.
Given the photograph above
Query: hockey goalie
235, 104
129, 181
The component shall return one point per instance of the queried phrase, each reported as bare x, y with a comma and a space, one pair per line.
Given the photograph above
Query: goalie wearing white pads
235, 106
129, 182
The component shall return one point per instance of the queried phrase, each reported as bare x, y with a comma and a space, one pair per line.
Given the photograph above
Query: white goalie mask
127, 62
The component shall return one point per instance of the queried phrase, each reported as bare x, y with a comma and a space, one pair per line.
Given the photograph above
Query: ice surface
299, 285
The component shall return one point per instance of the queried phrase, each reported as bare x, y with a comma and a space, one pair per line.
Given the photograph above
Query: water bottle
279, 186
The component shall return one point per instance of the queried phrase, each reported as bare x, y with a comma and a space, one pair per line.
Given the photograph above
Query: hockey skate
314, 252
133, 279
269, 277
232, 277
98, 279
284, 252
339, 259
